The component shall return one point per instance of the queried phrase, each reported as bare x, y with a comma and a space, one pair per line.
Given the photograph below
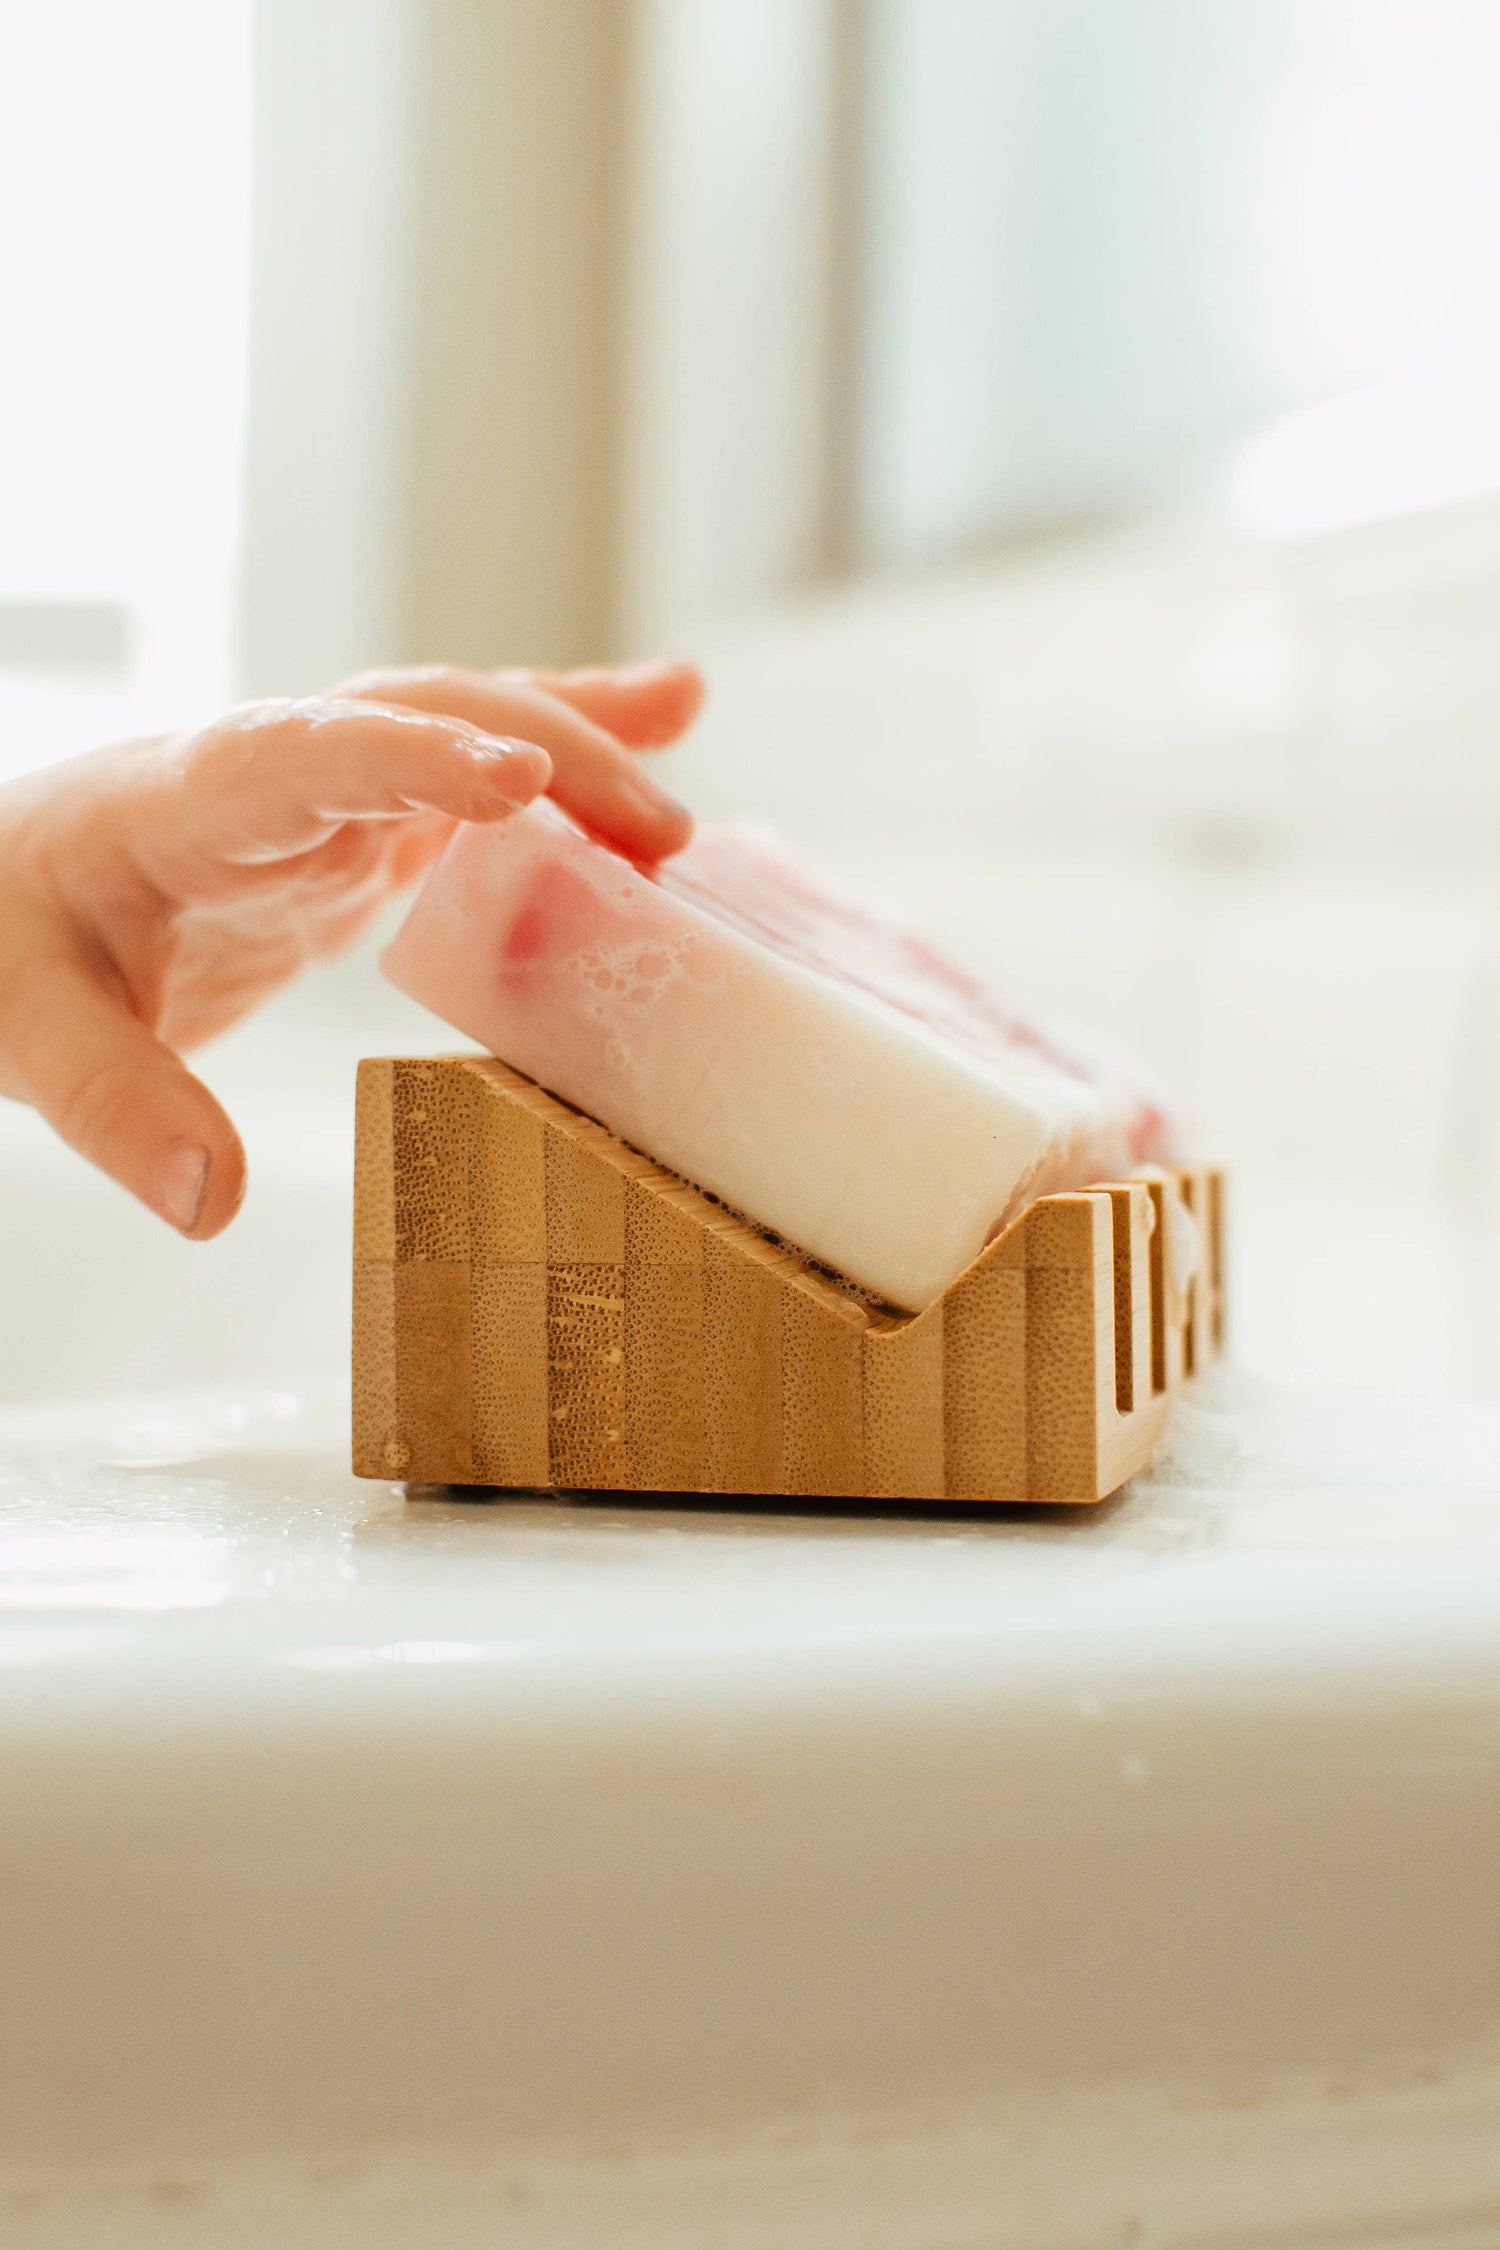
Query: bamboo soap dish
538, 1306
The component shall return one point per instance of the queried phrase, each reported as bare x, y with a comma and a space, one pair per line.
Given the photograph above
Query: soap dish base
539, 1307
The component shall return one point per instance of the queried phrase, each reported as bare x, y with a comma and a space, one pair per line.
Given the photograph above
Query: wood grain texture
822, 1394
538, 1306
742, 1353
378, 1450
1070, 1342
510, 1435
984, 1376
434, 1400
905, 1457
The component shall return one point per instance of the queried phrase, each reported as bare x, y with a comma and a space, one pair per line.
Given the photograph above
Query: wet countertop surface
339, 1822
224, 1529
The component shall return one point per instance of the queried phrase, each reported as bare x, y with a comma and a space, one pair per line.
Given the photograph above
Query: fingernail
645, 669
656, 800
524, 763
504, 746
181, 1185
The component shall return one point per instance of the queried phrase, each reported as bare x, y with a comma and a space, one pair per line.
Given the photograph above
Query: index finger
275, 779
594, 777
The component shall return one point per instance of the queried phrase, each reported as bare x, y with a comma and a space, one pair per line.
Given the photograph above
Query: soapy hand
154, 893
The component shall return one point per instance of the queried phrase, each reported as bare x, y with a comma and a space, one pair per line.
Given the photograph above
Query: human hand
154, 893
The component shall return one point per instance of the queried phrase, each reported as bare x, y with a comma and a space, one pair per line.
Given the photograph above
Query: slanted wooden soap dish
536, 1305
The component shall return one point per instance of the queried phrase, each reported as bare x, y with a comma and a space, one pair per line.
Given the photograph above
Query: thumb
124, 1100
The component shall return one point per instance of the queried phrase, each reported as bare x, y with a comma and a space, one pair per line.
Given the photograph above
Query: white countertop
675, 1875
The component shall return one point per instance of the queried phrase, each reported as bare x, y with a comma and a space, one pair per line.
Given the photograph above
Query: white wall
124, 194
1104, 238
322, 575
729, 456
431, 416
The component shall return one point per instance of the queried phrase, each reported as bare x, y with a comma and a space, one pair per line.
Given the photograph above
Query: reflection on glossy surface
85, 1570
229, 1527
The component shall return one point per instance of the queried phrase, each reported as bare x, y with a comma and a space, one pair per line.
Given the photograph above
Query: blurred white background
1099, 405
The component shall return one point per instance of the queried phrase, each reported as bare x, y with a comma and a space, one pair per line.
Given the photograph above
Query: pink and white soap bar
743, 1023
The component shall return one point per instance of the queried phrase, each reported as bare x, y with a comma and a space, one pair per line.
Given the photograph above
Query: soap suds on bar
741, 1020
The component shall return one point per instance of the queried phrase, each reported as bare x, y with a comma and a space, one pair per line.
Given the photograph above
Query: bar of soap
741, 1021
